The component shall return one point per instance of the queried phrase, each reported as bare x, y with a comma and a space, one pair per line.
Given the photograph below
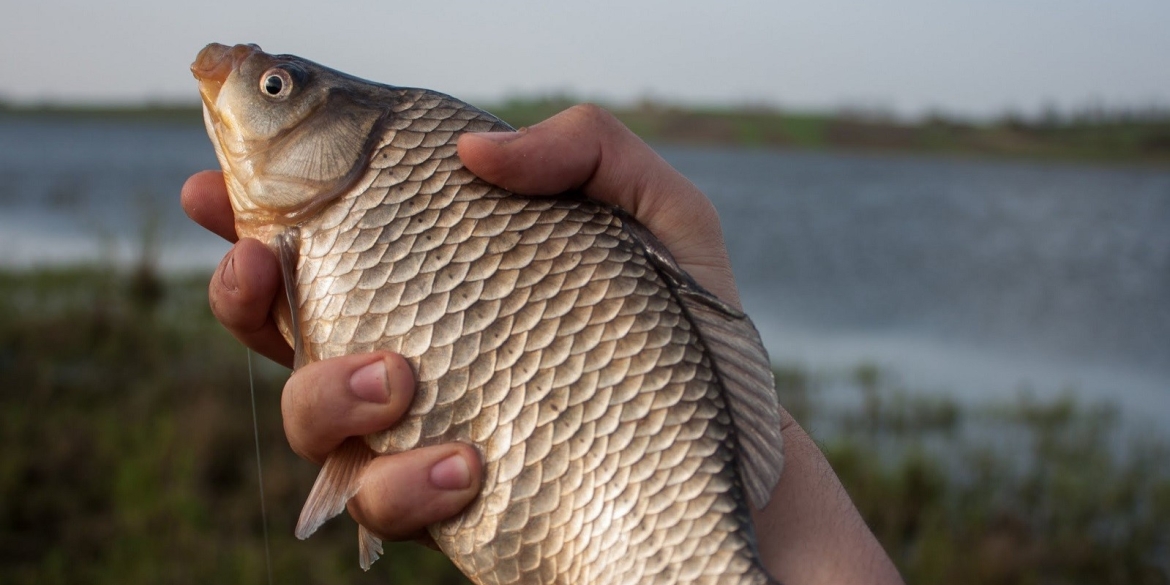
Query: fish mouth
214, 64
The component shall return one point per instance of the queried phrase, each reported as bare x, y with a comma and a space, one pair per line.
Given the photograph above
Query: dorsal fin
740, 361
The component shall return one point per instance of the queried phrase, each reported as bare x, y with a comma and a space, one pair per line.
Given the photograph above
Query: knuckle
385, 516
593, 115
226, 307
297, 403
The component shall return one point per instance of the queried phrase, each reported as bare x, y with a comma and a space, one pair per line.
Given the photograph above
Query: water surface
973, 276
962, 276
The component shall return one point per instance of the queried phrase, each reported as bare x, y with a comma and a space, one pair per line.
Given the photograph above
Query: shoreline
1102, 137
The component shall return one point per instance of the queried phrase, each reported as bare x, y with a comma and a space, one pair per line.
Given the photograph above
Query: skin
811, 532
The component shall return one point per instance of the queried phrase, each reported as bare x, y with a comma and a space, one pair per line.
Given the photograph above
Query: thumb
546, 159
585, 148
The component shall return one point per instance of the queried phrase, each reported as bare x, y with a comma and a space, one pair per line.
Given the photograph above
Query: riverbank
1103, 137
126, 456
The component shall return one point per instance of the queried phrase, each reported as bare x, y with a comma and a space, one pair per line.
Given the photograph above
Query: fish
626, 418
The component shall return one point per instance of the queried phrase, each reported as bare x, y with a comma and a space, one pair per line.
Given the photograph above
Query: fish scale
641, 342
550, 333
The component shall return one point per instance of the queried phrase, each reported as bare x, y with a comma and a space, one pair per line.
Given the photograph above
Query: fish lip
215, 63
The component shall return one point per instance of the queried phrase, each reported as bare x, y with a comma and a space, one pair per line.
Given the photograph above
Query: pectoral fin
369, 548
286, 252
338, 481
340, 477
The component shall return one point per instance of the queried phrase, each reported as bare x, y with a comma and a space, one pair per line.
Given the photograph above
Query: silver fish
626, 417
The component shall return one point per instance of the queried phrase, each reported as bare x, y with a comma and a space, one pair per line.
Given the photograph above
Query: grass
126, 456
1022, 492
126, 445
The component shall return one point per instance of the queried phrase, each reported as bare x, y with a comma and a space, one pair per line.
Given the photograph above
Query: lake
971, 277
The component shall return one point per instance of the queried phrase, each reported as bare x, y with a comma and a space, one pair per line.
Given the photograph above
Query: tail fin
338, 481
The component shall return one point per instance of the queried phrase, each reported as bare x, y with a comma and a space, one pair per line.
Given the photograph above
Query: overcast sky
973, 57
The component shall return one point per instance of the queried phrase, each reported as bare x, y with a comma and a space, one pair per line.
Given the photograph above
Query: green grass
126, 446
126, 457
1023, 492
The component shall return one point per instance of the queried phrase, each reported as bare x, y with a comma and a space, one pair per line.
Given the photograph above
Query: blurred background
950, 222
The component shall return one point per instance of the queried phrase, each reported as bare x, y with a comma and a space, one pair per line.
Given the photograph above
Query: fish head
291, 135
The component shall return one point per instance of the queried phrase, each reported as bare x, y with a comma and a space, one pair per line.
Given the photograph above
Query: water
961, 276
967, 276
96, 191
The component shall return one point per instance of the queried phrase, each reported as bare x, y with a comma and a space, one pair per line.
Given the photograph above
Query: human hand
810, 533
328, 401
244, 287
325, 402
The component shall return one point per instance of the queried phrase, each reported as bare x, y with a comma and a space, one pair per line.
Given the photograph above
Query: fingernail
451, 473
227, 276
369, 383
501, 137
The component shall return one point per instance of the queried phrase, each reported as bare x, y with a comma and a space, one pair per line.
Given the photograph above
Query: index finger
205, 199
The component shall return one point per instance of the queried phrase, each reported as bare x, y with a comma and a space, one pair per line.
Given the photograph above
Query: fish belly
541, 334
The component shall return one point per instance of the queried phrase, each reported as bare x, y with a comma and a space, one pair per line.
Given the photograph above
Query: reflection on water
967, 276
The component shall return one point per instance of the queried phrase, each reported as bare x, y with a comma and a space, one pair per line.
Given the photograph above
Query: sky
971, 58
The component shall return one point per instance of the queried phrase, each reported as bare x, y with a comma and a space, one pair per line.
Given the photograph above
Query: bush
127, 456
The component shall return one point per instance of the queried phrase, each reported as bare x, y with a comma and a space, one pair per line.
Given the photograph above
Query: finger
583, 147
242, 293
402, 494
325, 402
586, 148
205, 199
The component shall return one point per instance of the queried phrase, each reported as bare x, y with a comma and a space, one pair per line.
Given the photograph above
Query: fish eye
276, 83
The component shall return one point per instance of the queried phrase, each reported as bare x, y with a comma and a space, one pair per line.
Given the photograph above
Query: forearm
811, 532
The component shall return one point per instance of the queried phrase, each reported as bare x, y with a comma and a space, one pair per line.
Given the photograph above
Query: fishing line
259, 468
